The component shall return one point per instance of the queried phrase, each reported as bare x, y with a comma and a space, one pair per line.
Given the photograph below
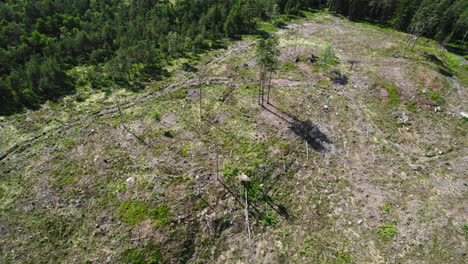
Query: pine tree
267, 55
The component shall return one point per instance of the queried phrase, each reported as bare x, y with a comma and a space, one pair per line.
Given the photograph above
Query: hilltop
359, 160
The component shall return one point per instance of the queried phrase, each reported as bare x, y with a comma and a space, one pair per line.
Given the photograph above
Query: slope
369, 170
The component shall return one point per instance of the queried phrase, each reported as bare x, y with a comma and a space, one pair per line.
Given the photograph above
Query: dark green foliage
124, 42
235, 21
267, 53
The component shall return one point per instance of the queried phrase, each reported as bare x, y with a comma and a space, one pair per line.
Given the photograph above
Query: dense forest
50, 47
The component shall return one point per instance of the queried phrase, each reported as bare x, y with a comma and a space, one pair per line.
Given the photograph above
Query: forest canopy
43, 42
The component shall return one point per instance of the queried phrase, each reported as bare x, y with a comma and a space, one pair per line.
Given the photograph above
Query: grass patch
465, 229
267, 27
65, 181
160, 215
385, 208
436, 97
318, 251
393, 95
230, 171
387, 231
150, 254
289, 66
412, 107
132, 212
270, 219
448, 62
180, 93
185, 152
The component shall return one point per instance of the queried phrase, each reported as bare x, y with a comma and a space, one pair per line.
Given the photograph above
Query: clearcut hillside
362, 159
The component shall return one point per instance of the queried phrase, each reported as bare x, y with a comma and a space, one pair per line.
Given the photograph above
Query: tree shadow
310, 132
306, 129
443, 69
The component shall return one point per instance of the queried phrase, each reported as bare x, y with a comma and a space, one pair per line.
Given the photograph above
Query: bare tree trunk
222, 183
259, 86
200, 195
127, 129
414, 43
247, 213
406, 46
295, 41
269, 89
260, 91
416, 32
414, 36
263, 86
351, 9
201, 97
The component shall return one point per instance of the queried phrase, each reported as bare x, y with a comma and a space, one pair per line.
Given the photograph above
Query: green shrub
169, 134
270, 219
157, 116
328, 56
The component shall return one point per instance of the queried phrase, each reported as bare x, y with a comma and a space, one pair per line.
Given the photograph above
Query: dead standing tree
267, 55
416, 32
260, 53
200, 86
125, 126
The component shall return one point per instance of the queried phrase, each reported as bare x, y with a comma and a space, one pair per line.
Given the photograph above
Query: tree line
47, 46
